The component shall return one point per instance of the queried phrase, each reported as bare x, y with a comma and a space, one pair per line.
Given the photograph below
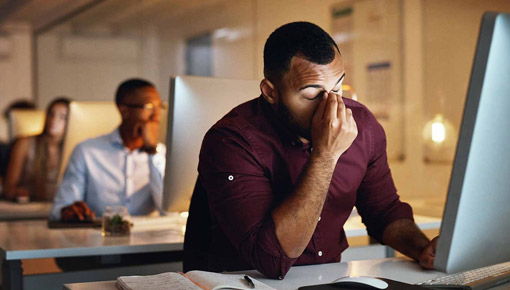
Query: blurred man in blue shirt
124, 167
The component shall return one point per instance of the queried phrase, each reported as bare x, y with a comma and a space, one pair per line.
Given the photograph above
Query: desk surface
354, 227
33, 239
19, 211
400, 269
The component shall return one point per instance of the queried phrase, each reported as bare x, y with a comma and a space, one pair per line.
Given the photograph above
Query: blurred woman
34, 161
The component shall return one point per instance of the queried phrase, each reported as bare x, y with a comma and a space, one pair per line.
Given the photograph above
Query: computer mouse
362, 282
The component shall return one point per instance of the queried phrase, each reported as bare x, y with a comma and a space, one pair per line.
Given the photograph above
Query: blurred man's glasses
149, 107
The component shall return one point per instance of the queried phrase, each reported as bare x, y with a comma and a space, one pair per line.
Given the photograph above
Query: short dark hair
19, 104
128, 87
303, 39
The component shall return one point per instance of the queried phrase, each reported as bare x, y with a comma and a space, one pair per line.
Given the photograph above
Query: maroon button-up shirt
249, 163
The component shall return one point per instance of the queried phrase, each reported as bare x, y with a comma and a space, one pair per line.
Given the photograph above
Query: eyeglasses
146, 107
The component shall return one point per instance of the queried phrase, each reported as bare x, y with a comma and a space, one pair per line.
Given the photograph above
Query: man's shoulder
360, 112
246, 116
246, 124
355, 105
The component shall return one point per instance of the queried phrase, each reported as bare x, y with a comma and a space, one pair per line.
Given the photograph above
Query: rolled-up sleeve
241, 198
377, 200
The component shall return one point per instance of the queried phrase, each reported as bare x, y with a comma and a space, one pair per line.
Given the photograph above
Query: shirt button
319, 253
230, 177
319, 219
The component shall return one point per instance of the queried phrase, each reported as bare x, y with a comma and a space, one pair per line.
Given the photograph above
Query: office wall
442, 20
231, 26
16, 69
441, 48
84, 67
432, 62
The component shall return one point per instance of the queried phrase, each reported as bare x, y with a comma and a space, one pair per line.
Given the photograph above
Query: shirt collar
115, 138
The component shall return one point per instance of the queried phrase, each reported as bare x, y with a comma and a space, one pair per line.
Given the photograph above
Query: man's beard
285, 116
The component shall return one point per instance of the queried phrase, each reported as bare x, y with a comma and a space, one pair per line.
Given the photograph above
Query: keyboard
481, 278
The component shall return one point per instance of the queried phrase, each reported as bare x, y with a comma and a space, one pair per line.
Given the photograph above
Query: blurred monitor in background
33, 165
24, 105
24, 123
23, 119
198, 102
19, 104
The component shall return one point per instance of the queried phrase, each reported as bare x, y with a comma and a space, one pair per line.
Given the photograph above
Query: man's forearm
296, 218
404, 236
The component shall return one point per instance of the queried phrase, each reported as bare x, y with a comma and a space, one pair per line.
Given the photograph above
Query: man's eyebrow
321, 87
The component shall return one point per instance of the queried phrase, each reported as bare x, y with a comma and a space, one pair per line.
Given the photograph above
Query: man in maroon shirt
280, 175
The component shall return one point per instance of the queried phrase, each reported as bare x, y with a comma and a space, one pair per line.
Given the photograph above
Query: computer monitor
196, 103
87, 120
26, 122
475, 231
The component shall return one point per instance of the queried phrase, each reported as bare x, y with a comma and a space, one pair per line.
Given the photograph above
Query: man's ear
123, 112
269, 91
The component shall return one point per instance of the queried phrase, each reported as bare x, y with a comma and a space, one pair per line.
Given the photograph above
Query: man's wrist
324, 157
150, 149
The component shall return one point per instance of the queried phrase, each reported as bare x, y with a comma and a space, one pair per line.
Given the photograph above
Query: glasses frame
145, 107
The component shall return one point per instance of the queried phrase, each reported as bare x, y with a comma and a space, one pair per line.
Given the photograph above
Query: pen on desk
249, 281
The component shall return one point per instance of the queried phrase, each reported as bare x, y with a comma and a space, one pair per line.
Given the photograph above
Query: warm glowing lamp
440, 139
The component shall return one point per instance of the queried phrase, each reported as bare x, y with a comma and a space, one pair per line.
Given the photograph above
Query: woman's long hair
41, 153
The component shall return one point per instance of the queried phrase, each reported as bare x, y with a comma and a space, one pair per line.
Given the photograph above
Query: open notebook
192, 280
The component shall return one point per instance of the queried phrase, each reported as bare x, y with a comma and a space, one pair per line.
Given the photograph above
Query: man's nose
155, 115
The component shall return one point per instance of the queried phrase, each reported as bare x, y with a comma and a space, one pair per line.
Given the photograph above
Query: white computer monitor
196, 103
26, 122
87, 120
475, 231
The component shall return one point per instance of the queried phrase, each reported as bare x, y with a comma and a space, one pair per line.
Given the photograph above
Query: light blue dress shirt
102, 172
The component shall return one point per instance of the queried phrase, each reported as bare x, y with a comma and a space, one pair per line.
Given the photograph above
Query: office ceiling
118, 14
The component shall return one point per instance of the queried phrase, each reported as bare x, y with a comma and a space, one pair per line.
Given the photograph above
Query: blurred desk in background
12, 211
21, 240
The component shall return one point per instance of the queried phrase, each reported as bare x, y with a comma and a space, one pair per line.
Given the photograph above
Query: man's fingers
87, 213
342, 114
319, 113
331, 107
434, 244
78, 211
428, 263
348, 115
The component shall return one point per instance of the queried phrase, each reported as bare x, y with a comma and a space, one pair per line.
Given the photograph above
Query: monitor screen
475, 231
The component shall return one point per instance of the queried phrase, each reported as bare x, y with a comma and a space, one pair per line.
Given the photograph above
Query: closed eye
316, 97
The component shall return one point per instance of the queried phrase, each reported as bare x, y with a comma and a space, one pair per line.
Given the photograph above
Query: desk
32, 240
354, 227
400, 269
18, 211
